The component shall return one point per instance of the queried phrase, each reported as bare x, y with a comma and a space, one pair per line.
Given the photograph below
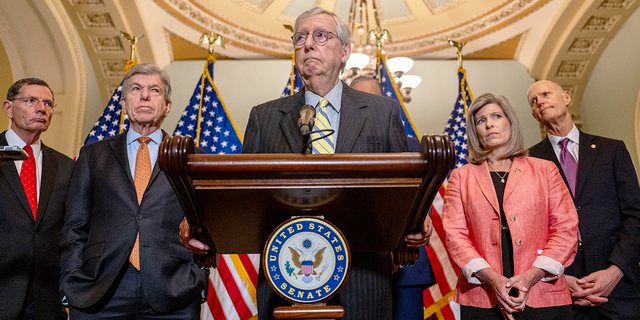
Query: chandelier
367, 35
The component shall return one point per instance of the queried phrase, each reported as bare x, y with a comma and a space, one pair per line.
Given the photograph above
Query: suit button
518, 242
35, 234
139, 216
513, 218
28, 265
577, 208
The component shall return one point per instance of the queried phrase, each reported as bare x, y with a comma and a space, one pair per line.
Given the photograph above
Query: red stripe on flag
248, 266
447, 313
427, 298
436, 220
214, 304
234, 292
441, 278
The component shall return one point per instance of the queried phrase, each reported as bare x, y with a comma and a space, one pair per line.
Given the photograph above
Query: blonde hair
515, 145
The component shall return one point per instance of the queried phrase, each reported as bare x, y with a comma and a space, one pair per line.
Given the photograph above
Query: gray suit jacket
29, 251
368, 124
103, 219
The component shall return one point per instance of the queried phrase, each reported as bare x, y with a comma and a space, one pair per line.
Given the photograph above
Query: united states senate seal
306, 260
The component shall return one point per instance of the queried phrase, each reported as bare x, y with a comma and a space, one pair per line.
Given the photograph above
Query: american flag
294, 84
438, 298
112, 122
389, 90
207, 120
232, 285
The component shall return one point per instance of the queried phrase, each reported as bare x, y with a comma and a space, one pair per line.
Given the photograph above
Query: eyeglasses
320, 36
31, 102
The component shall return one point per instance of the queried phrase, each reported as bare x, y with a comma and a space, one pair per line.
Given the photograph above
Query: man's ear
7, 106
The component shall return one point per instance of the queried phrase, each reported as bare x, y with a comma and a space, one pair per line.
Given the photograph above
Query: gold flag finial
458, 46
133, 41
379, 37
211, 40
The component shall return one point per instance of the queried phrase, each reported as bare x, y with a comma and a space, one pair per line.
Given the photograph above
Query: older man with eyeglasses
33, 193
360, 122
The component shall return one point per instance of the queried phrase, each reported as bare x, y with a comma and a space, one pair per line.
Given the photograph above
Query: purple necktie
569, 165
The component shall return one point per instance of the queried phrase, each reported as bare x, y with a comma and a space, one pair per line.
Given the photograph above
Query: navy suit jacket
103, 219
607, 200
29, 251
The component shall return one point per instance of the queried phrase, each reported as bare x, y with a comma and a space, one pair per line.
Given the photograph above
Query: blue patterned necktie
325, 145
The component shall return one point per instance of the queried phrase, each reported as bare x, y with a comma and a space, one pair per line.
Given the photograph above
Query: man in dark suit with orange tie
32, 207
122, 256
598, 171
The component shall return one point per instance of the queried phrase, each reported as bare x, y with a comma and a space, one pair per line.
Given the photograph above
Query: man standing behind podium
31, 209
362, 123
121, 255
598, 171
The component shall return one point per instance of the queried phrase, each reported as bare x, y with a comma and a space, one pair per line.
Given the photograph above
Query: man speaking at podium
361, 123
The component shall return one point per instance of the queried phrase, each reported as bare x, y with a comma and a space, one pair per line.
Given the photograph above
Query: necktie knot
323, 104
28, 149
144, 140
563, 143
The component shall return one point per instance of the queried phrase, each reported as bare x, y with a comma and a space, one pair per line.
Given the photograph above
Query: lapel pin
517, 170
593, 146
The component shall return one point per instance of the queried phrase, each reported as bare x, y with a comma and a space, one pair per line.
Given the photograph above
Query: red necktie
141, 177
29, 180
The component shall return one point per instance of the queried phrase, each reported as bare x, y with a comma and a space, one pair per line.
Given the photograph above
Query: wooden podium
234, 202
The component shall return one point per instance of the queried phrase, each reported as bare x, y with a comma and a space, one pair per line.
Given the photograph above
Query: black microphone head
307, 119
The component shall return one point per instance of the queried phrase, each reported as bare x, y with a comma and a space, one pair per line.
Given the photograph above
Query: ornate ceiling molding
477, 29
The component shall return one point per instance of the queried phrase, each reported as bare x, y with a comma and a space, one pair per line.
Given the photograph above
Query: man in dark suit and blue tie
32, 211
598, 171
122, 256
362, 123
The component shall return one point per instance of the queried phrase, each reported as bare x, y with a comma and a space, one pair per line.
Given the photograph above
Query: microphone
307, 119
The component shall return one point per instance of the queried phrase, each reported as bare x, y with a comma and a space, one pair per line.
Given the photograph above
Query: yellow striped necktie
142, 174
325, 145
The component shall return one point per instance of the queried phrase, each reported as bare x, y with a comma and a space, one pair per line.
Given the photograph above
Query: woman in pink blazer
509, 223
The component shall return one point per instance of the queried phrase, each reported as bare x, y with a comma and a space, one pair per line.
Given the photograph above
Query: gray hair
148, 69
344, 33
515, 145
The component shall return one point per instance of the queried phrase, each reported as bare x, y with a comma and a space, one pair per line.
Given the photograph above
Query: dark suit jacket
29, 250
608, 203
103, 218
368, 124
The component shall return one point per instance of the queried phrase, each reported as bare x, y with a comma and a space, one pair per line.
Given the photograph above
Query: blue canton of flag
294, 84
389, 90
207, 120
108, 125
456, 127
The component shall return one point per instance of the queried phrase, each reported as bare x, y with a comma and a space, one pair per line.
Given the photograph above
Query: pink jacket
542, 220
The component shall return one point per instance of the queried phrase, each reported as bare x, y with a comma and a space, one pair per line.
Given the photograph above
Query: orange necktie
29, 182
141, 178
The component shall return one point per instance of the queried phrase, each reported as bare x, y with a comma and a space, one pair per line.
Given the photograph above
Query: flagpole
130, 63
211, 58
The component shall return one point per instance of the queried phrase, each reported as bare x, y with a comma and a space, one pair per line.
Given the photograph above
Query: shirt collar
14, 140
334, 97
132, 135
574, 136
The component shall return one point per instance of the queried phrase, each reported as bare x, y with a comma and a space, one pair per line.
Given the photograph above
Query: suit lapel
352, 119
10, 173
119, 148
289, 123
156, 166
485, 184
587, 151
518, 169
49, 170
